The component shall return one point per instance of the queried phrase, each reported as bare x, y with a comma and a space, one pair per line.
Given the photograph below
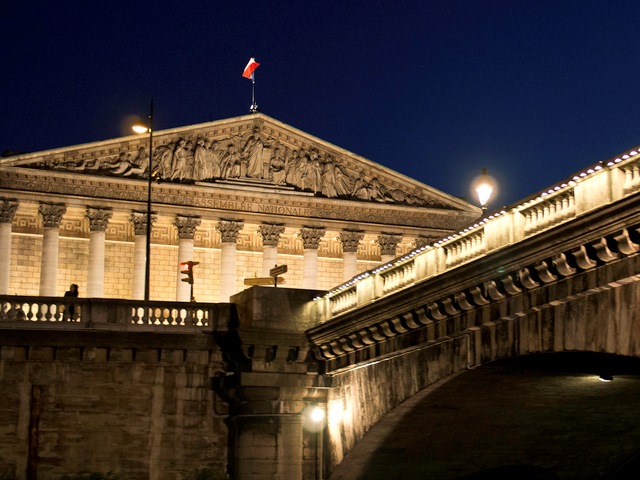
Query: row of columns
52, 215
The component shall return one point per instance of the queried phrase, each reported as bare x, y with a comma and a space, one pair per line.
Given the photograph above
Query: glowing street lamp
146, 126
315, 417
484, 186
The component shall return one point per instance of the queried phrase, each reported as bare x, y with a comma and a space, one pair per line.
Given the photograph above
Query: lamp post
483, 185
315, 417
147, 127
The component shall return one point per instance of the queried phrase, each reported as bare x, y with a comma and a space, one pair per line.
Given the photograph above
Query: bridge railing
596, 186
102, 313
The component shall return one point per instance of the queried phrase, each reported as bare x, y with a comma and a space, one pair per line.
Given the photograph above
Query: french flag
251, 66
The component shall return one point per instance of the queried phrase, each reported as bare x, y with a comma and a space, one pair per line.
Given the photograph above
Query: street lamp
145, 126
484, 186
315, 417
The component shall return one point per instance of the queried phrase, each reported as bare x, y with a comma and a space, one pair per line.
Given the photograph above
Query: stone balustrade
98, 313
595, 187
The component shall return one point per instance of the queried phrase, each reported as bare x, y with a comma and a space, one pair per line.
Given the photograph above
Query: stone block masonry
138, 405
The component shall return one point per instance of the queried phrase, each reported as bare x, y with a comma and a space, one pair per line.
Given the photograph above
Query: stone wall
360, 397
137, 405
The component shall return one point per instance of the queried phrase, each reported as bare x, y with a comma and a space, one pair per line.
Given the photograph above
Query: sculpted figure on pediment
278, 166
121, 164
202, 164
344, 183
252, 153
136, 167
292, 171
180, 165
311, 173
163, 160
361, 188
231, 162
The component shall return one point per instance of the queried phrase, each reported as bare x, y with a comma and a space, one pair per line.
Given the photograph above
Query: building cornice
213, 202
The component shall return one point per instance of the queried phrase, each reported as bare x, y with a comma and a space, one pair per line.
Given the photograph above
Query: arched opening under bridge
544, 416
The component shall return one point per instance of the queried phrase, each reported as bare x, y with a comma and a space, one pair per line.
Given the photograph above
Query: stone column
270, 237
7, 212
51, 219
186, 232
388, 245
350, 241
229, 231
310, 241
98, 221
139, 221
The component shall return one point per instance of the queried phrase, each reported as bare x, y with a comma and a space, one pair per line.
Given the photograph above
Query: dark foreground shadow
512, 472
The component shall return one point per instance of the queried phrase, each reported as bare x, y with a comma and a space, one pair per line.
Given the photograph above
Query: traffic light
187, 269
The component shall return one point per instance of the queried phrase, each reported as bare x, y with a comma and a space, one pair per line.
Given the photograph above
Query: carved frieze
309, 207
254, 153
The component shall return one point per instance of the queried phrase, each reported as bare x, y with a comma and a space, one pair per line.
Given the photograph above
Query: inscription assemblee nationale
253, 207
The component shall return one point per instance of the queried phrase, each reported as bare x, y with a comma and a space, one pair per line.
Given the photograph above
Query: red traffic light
188, 271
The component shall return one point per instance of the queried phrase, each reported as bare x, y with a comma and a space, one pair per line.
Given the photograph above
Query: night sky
534, 90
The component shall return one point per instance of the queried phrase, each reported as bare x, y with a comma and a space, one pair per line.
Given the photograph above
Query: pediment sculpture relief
254, 158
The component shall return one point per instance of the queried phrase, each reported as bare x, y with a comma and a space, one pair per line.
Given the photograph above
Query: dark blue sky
534, 90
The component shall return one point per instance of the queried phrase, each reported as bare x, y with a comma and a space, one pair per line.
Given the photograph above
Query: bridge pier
270, 386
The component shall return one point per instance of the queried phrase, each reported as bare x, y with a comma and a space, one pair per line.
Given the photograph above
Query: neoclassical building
238, 196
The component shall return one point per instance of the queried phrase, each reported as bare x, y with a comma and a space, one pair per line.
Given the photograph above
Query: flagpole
254, 105
249, 72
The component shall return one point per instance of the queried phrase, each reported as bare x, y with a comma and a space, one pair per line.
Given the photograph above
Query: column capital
388, 243
422, 241
98, 218
311, 236
8, 210
186, 226
51, 214
229, 230
270, 234
139, 221
350, 240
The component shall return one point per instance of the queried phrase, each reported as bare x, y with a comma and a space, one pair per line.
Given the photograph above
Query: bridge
168, 388
556, 273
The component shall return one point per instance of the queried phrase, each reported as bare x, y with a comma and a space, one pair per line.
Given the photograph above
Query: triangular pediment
249, 152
